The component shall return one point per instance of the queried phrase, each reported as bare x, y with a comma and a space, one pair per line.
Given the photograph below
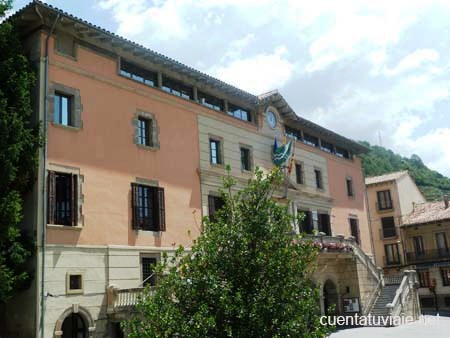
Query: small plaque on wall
351, 305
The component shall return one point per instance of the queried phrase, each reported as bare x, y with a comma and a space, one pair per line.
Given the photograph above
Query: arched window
74, 327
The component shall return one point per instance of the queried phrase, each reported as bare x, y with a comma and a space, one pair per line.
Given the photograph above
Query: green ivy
19, 144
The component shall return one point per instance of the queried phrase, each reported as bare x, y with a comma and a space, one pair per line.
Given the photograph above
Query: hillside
381, 161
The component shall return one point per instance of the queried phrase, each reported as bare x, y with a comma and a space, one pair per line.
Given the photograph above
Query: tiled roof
428, 212
386, 177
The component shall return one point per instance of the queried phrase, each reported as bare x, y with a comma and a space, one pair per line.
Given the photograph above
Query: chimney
446, 201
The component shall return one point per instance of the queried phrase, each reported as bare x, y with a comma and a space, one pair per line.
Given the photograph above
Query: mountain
379, 161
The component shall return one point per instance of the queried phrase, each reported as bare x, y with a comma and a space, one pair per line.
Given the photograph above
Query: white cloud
413, 61
257, 74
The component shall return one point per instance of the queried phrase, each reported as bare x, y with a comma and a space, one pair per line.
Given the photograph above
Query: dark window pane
388, 225
138, 73
75, 282
295, 133
148, 265
326, 146
299, 173
384, 200
245, 159
146, 208
238, 112
311, 140
349, 187
210, 101
341, 152
392, 254
354, 229
215, 155
307, 222
324, 224
215, 203
144, 131
177, 88
318, 176
63, 199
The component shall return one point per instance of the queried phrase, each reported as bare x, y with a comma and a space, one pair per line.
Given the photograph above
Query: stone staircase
397, 298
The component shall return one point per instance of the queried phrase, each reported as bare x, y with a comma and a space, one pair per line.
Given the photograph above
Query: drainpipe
44, 180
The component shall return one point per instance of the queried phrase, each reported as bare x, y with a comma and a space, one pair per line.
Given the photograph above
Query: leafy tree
246, 276
19, 143
381, 161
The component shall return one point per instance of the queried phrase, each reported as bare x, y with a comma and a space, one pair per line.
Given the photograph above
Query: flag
282, 153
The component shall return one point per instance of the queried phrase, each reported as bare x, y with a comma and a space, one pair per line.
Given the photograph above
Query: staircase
397, 298
386, 297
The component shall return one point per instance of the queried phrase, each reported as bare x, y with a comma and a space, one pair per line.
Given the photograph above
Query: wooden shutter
161, 209
134, 206
211, 207
51, 197
74, 201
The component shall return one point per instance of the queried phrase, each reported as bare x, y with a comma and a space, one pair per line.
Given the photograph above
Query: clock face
271, 119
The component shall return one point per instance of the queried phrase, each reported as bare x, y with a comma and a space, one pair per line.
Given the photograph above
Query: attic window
210, 101
310, 140
239, 113
65, 44
295, 133
177, 88
341, 152
326, 146
138, 74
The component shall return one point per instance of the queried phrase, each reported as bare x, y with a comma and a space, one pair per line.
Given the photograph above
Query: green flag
281, 154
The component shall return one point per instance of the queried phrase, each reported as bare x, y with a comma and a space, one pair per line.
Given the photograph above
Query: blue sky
362, 68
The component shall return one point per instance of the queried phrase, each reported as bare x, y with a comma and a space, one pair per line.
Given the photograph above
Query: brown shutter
51, 197
134, 206
74, 201
161, 210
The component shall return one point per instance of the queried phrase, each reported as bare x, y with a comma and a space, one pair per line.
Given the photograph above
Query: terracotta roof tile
386, 177
428, 212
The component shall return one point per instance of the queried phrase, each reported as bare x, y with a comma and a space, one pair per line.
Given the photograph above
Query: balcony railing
120, 300
427, 255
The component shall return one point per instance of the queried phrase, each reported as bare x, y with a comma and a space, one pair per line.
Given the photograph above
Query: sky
370, 70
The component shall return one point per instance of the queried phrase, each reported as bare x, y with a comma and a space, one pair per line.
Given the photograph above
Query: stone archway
75, 313
330, 297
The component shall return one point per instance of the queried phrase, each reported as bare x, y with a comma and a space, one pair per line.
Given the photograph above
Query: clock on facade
271, 119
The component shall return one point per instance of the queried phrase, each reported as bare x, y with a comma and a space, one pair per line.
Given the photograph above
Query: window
388, 226
324, 224
239, 113
384, 200
298, 173
144, 131
447, 301
341, 152
318, 174
63, 109
215, 203
295, 133
148, 209
326, 146
441, 243
210, 101
177, 88
148, 267
138, 73
307, 222
74, 283
310, 140
62, 203
65, 44
246, 161
349, 183
426, 302
424, 278
354, 229
445, 273
392, 254
215, 151
418, 246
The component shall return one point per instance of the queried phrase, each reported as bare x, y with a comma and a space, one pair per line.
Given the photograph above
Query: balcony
123, 300
427, 256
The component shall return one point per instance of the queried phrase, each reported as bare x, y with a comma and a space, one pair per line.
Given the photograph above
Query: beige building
390, 197
426, 234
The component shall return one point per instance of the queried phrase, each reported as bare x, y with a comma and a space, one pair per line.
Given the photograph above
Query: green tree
247, 275
19, 144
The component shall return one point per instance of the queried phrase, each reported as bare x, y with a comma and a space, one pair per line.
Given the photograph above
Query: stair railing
397, 306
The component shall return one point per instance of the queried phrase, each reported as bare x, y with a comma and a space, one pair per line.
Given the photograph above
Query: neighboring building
426, 237
390, 197
136, 148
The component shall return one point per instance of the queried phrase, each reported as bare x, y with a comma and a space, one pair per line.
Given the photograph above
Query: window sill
150, 148
220, 166
148, 232
64, 227
71, 128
